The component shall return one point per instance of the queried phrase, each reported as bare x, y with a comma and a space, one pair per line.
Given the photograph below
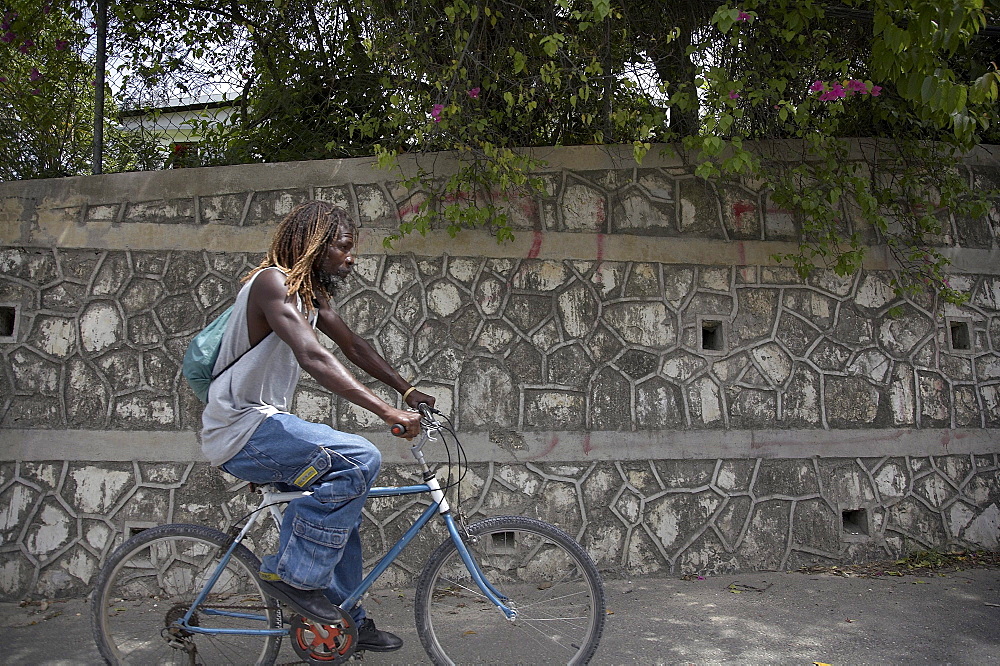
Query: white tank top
259, 384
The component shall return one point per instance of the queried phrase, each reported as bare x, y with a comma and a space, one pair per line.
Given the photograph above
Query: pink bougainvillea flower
856, 86
836, 92
436, 111
61, 44
7, 37
474, 93
875, 91
3, 79
817, 86
743, 16
46, 9
733, 94
36, 91
26, 46
35, 74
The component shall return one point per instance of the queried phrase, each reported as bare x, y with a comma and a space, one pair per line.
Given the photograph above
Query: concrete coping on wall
565, 446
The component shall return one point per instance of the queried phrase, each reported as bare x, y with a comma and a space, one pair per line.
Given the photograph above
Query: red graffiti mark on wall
411, 209
599, 251
529, 207
549, 447
536, 245
741, 208
587, 447
741, 251
601, 214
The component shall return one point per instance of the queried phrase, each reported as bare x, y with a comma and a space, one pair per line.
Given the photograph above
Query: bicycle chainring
313, 647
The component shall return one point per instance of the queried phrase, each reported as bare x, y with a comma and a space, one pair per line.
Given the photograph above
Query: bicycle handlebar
426, 411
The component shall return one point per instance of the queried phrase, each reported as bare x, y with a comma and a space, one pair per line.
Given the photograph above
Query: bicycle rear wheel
549, 580
152, 580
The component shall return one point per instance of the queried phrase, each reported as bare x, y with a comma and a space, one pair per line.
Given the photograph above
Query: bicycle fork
459, 534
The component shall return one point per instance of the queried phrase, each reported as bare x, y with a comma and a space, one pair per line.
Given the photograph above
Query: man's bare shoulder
268, 286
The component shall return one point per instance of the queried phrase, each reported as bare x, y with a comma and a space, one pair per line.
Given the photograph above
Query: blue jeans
319, 546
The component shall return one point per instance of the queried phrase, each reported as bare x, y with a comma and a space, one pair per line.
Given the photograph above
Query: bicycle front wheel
545, 576
152, 580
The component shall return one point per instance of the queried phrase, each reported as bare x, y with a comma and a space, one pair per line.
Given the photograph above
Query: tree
718, 84
47, 95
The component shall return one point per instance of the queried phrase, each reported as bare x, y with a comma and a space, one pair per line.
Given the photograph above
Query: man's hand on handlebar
410, 421
417, 397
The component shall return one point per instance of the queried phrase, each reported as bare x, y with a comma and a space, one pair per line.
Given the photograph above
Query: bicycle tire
154, 577
549, 578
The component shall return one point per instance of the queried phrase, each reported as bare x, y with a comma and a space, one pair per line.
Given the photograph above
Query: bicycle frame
275, 501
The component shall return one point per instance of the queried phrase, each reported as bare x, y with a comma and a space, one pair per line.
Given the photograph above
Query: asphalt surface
754, 618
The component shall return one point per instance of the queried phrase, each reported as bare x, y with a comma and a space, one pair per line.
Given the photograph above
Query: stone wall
634, 366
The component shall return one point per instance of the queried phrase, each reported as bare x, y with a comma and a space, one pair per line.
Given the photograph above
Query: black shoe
370, 638
312, 604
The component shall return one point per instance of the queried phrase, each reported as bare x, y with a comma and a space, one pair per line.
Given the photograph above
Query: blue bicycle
507, 589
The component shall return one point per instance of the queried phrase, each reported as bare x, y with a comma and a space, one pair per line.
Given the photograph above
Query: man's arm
363, 355
271, 309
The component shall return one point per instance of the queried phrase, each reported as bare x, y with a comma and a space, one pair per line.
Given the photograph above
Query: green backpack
203, 352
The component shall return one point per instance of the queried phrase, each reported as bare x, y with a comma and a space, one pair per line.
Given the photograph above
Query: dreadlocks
298, 242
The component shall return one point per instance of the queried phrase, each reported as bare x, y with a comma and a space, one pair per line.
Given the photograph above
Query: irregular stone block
935, 400
816, 526
767, 535
675, 516
33, 374
658, 405
271, 207
851, 402
162, 211
757, 309
741, 213
791, 478
143, 410
704, 402
365, 312
645, 324
578, 309
700, 212
553, 410
854, 328
677, 284
874, 292
707, 556
494, 336
915, 521
486, 395
899, 335
633, 212
815, 308
540, 275
610, 407
570, 366
845, 483
750, 408
583, 208
226, 209
51, 528
87, 395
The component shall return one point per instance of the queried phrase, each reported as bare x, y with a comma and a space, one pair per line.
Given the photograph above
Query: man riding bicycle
247, 429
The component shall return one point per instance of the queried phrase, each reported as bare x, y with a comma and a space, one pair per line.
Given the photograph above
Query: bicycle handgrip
398, 429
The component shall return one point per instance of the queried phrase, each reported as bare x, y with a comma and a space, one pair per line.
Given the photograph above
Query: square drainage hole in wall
855, 521
960, 337
8, 320
711, 336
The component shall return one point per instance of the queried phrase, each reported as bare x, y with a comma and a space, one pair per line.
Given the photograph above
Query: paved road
755, 618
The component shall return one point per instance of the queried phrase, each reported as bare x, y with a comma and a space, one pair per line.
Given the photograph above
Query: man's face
336, 261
